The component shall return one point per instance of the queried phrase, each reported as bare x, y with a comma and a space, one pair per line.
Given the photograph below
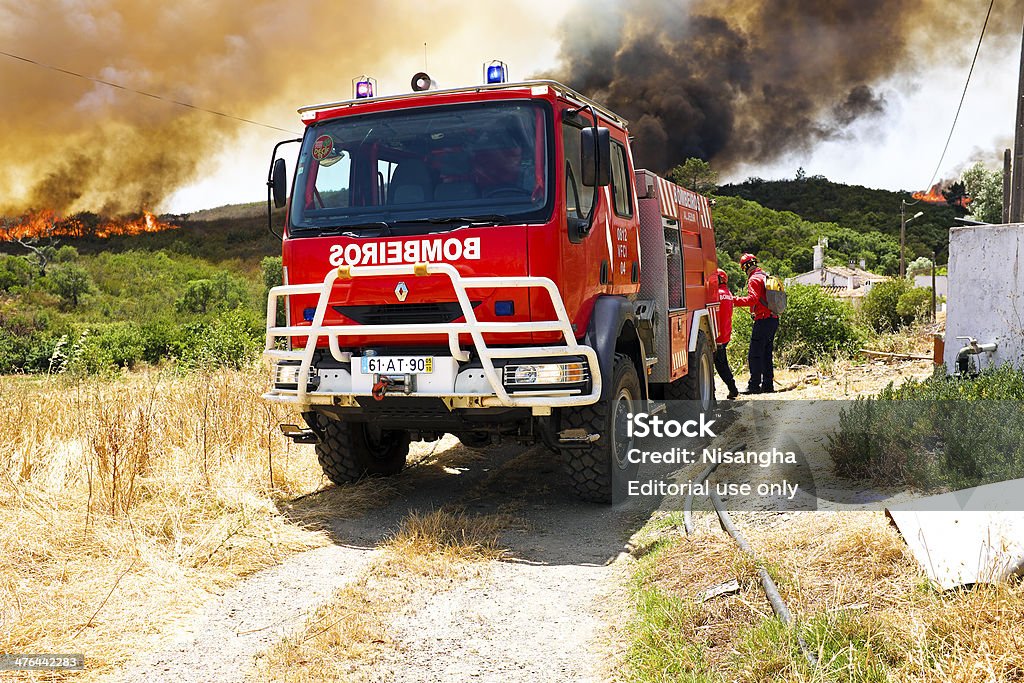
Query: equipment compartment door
679, 331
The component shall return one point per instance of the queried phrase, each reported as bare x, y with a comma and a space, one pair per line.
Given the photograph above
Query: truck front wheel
599, 471
349, 452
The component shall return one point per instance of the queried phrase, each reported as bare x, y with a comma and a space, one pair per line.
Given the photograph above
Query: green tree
70, 282
695, 174
198, 297
922, 265
985, 188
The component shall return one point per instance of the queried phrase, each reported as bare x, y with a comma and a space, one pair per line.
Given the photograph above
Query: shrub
880, 303
15, 271
232, 340
915, 304
221, 292
942, 432
814, 326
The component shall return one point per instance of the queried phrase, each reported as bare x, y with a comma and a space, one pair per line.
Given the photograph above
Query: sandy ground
552, 610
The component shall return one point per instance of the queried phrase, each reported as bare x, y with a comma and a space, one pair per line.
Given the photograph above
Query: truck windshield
424, 170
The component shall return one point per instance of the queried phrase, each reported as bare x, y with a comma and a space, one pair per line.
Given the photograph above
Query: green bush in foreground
942, 432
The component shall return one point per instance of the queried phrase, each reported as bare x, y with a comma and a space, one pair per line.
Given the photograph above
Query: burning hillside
945, 193
48, 224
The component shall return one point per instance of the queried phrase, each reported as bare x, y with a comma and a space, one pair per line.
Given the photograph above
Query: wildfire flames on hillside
952, 195
48, 223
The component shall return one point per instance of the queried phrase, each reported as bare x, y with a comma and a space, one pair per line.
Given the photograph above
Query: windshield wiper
356, 230
483, 219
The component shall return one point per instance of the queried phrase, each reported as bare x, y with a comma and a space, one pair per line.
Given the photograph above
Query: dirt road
551, 609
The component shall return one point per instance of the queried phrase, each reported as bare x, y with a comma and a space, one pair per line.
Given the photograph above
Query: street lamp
903, 232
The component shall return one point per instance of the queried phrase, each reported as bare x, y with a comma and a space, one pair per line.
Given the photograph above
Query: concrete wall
986, 292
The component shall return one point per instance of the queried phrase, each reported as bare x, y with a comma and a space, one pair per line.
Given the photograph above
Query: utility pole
1017, 191
903, 237
935, 258
1007, 184
903, 232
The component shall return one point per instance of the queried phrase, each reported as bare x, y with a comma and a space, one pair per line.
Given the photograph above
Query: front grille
404, 314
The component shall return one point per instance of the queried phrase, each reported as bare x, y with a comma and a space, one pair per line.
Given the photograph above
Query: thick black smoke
748, 81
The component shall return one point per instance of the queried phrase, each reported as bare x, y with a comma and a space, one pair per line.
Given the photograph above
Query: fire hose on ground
767, 583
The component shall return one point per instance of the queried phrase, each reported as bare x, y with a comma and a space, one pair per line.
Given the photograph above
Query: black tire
600, 471
349, 452
477, 441
699, 383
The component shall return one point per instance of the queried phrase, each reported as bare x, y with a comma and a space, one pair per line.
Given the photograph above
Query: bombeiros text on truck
484, 261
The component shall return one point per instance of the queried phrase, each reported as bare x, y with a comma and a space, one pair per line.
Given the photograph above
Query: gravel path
219, 643
519, 622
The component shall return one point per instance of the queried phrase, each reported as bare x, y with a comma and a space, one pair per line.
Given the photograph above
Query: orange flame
935, 196
48, 223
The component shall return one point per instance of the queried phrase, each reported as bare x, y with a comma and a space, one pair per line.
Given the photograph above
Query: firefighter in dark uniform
766, 324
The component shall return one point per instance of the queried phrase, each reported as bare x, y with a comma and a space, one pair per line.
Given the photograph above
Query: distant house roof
829, 274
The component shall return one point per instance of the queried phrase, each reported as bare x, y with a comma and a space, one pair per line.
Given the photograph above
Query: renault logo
401, 291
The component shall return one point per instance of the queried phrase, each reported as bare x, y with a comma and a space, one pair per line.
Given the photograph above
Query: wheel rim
621, 444
706, 381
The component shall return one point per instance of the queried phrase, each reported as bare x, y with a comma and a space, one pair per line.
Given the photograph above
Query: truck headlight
543, 374
286, 375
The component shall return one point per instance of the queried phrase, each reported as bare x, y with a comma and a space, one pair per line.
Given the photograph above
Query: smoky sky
725, 80
743, 81
69, 144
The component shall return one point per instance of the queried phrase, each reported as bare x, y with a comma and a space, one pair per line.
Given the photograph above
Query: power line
144, 93
963, 96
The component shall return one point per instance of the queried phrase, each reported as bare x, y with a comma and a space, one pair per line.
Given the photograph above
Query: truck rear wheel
699, 383
349, 452
599, 471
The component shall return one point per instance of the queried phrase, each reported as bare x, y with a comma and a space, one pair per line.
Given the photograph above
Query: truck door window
578, 199
622, 198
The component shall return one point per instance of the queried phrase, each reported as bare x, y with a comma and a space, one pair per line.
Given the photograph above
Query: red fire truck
485, 261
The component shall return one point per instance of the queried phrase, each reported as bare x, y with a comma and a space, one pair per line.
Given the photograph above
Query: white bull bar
476, 329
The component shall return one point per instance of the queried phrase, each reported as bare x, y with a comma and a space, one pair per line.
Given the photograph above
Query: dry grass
125, 501
861, 602
349, 638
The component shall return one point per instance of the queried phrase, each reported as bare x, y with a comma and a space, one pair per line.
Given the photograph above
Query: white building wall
986, 292
941, 283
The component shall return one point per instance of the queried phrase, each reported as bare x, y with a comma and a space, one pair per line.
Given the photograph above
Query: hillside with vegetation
860, 209
193, 294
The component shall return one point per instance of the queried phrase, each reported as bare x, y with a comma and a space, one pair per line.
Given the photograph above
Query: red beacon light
364, 87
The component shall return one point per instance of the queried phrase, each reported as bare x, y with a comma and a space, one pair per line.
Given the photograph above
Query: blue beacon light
496, 72
364, 87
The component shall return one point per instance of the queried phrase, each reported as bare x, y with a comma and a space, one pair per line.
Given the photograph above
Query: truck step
655, 407
299, 435
577, 436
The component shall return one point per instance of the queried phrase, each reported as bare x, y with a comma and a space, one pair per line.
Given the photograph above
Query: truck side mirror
279, 182
596, 157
